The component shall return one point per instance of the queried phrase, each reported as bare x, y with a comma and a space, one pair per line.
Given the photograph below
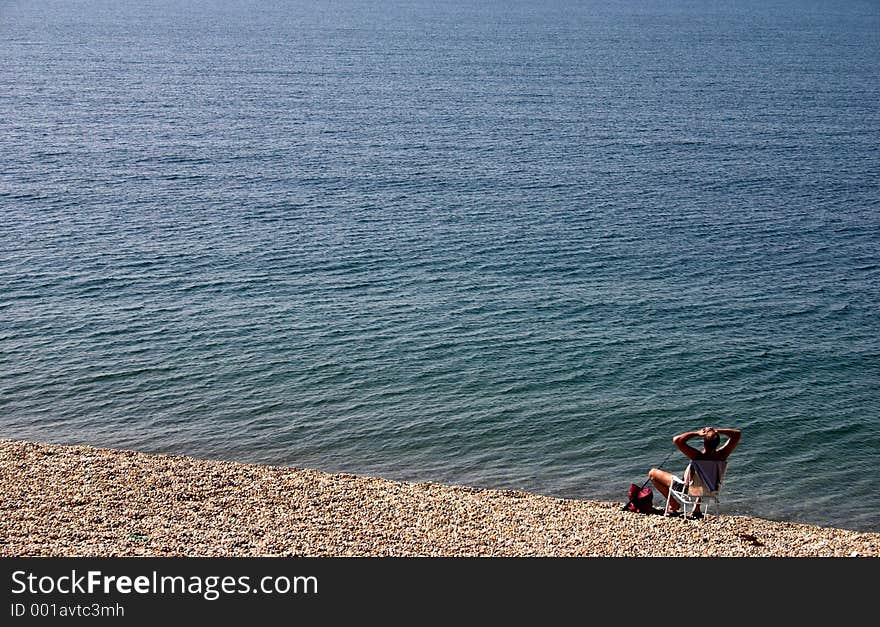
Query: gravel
79, 501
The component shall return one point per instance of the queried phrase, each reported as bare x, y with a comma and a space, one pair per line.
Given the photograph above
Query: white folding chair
701, 485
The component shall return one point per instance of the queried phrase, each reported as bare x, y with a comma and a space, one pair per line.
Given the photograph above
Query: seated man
711, 450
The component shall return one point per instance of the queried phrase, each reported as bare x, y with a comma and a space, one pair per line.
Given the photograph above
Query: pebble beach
79, 501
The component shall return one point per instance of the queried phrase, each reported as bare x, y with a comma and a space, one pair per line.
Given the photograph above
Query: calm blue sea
504, 244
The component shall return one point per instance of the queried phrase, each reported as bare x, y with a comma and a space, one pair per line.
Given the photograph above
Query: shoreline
82, 501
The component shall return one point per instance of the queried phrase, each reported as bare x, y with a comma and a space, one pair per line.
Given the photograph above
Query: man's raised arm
733, 437
681, 442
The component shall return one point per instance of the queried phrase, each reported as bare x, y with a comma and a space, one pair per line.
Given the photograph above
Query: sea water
501, 244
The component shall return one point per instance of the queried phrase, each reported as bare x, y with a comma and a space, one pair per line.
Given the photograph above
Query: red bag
641, 499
